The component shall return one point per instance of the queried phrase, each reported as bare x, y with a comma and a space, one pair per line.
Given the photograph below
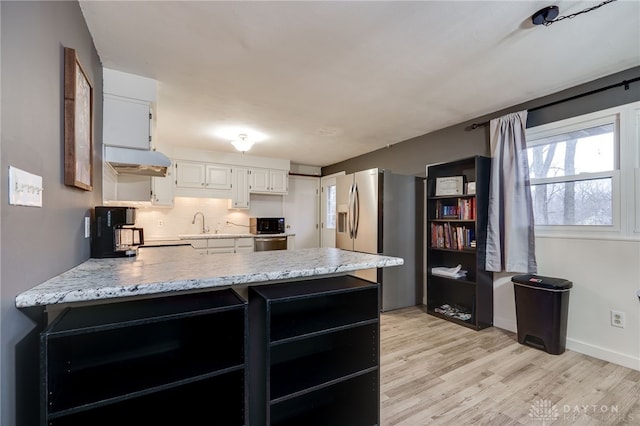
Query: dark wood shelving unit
164, 360
314, 352
472, 294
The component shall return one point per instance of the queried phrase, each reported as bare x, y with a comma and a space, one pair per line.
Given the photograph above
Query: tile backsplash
168, 223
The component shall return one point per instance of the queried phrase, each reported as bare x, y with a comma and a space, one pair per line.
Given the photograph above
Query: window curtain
510, 233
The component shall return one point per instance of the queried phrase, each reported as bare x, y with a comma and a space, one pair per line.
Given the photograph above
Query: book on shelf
453, 237
464, 209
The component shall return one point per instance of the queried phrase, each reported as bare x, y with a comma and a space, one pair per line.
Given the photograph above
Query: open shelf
345, 403
96, 360
211, 401
90, 319
314, 352
469, 323
304, 317
305, 365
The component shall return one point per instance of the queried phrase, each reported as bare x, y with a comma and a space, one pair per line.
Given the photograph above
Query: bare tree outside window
571, 177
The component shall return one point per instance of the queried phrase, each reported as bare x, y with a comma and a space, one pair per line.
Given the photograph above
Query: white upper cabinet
240, 188
279, 181
127, 122
190, 175
201, 175
259, 180
269, 181
128, 100
162, 190
218, 176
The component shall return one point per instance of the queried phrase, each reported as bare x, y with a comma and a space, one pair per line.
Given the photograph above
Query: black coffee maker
113, 234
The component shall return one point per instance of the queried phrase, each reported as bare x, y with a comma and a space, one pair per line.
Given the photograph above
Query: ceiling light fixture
549, 15
545, 16
242, 144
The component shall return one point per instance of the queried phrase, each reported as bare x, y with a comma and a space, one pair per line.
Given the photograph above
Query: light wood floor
437, 372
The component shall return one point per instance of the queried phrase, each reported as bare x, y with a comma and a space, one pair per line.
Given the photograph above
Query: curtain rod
624, 83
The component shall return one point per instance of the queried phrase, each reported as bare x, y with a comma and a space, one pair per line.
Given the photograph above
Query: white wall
178, 219
605, 276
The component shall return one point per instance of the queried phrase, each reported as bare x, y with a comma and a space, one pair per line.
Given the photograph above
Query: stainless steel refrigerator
381, 212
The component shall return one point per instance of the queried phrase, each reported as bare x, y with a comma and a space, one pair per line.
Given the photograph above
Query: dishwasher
270, 243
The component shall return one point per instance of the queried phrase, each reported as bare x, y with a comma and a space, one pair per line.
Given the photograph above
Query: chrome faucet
193, 222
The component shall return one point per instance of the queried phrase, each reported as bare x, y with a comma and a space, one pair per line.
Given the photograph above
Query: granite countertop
160, 269
214, 236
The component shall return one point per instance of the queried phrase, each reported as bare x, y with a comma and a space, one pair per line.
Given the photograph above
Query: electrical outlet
87, 227
160, 223
617, 319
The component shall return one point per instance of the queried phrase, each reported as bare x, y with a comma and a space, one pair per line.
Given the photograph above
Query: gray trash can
542, 305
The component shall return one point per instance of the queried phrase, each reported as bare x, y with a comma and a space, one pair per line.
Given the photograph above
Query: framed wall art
78, 123
452, 185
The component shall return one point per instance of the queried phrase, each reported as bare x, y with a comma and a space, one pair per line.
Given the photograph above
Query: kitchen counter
158, 270
212, 236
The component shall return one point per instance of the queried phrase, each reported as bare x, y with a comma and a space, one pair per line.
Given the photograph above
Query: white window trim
625, 177
573, 178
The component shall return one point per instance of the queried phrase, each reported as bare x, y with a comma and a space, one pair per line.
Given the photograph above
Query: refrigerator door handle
356, 212
350, 212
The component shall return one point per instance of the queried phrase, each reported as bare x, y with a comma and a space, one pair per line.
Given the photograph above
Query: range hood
137, 161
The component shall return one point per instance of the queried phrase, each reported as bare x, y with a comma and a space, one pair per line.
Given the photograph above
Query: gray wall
455, 142
39, 243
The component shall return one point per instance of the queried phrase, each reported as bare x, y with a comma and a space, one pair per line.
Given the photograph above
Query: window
330, 193
572, 175
584, 174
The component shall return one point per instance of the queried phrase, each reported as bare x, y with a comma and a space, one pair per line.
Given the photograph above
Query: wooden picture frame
78, 124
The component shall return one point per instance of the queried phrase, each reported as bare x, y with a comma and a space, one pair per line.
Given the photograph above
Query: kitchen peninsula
275, 337
162, 270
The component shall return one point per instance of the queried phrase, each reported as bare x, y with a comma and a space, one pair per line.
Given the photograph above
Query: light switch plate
87, 227
25, 189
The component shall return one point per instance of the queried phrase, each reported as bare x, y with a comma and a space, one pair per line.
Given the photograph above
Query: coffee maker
113, 234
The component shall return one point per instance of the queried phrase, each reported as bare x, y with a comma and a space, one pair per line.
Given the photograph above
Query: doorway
301, 210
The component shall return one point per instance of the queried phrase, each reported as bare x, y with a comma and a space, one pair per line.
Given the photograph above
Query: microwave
266, 225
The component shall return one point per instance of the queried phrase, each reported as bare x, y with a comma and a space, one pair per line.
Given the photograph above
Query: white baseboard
504, 323
580, 347
603, 354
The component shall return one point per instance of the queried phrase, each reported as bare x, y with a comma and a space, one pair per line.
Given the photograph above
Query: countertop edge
46, 294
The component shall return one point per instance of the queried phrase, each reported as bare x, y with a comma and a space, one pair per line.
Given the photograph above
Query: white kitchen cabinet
199, 245
268, 181
244, 245
279, 181
240, 188
126, 122
162, 190
191, 174
259, 180
218, 176
220, 245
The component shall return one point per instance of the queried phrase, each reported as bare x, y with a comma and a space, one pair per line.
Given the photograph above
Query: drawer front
221, 243
244, 242
220, 250
198, 244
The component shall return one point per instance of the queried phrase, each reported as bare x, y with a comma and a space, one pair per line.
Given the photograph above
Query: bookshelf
315, 353
456, 227
160, 361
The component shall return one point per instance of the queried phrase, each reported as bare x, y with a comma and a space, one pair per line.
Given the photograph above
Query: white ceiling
327, 81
